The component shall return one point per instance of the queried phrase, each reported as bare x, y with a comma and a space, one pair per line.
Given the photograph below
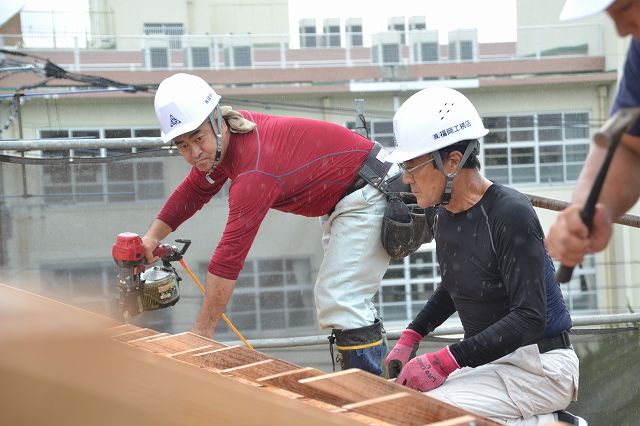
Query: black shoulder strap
375, 168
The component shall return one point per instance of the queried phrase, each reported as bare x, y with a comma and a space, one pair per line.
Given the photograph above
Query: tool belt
561, 341
405, 225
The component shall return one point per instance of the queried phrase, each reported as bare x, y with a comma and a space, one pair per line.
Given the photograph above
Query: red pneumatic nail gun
144, 289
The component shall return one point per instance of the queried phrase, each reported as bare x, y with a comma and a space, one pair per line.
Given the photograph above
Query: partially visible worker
294, 165
569, 240
515, 364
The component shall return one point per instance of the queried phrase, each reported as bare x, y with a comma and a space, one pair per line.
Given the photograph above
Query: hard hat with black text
432, 119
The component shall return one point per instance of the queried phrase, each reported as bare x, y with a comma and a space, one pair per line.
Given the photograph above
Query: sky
58, 5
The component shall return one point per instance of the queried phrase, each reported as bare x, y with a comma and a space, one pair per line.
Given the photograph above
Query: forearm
216, 298
622, 185
158, 230
438, 308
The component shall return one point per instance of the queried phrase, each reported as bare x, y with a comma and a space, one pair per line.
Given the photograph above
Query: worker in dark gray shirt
515, 363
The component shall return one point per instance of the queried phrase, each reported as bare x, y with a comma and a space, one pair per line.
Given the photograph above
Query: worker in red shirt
294, 165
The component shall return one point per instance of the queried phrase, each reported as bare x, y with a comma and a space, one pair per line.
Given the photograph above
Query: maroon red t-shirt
295, 165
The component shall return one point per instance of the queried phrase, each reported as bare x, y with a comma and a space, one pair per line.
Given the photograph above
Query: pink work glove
402, 352
428, 371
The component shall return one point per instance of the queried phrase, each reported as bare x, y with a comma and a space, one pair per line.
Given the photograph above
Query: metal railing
87, 48
453, 330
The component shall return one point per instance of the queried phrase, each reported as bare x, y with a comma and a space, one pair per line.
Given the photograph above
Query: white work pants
354, 260
522, 388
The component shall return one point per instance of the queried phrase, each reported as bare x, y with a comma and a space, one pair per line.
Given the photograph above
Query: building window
174, 31
273, 294
379, 131
535, 148
409, 282
121, 181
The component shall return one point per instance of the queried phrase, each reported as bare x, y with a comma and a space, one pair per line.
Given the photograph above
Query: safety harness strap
374, 169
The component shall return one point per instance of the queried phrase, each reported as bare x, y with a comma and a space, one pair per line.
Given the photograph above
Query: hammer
608, 136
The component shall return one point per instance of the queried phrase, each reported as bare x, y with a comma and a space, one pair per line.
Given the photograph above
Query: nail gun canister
160, 288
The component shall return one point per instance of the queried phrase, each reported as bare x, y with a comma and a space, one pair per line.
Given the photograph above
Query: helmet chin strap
446, 196
217, 131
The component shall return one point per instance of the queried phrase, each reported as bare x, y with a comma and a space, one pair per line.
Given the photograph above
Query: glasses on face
411, 170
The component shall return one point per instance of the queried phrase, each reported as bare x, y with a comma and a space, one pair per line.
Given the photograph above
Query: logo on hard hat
173, 121
451, 130
209, 97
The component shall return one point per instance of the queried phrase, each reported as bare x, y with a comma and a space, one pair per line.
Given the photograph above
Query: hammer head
615, 126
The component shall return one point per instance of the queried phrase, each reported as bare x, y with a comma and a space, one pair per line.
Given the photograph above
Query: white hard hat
182, 103
432, 119
575, 9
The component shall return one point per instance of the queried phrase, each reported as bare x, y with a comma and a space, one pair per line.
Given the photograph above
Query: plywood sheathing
60, 366
81, 368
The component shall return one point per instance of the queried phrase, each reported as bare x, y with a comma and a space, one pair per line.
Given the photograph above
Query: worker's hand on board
428, 371
402, 352
569, 239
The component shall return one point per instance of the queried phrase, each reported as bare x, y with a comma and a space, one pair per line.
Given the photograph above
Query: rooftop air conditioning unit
156, 53
238, 52
331, 30
463, 45
308, 33
425, 46
385, 48
196, 52
397, 24
353, 31
417, 23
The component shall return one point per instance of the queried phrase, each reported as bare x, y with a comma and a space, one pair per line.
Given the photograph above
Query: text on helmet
451, 130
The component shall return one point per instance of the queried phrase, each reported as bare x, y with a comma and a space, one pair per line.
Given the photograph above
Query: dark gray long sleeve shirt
497, 275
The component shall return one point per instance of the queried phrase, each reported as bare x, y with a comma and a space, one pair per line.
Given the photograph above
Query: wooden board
122, 329
291, 380
412, 409
259, 369
135, 335
361, 388
221, 359
171, 344
353, 385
